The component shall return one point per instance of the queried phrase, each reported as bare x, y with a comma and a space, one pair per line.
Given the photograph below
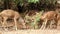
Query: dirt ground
31, 32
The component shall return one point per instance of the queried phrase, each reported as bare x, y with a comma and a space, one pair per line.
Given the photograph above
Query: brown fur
9, 14
51, 15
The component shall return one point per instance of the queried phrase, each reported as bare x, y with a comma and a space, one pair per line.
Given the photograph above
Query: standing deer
13, 15
48, 16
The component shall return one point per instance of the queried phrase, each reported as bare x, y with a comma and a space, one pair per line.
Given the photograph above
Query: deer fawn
48, 16
6, 14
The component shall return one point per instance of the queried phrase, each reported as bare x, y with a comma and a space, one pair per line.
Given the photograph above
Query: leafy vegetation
40, 3
33, 21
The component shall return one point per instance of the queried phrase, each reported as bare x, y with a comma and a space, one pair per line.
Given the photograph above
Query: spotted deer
10, 14
48, 16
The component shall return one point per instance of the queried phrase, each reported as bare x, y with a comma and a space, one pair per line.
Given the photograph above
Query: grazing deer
6, 14
51, 15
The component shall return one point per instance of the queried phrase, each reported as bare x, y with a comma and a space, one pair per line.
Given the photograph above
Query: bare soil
30, 31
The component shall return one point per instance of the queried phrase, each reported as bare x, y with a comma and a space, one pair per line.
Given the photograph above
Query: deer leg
53, 24
4, 24
44, 24
15, 23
